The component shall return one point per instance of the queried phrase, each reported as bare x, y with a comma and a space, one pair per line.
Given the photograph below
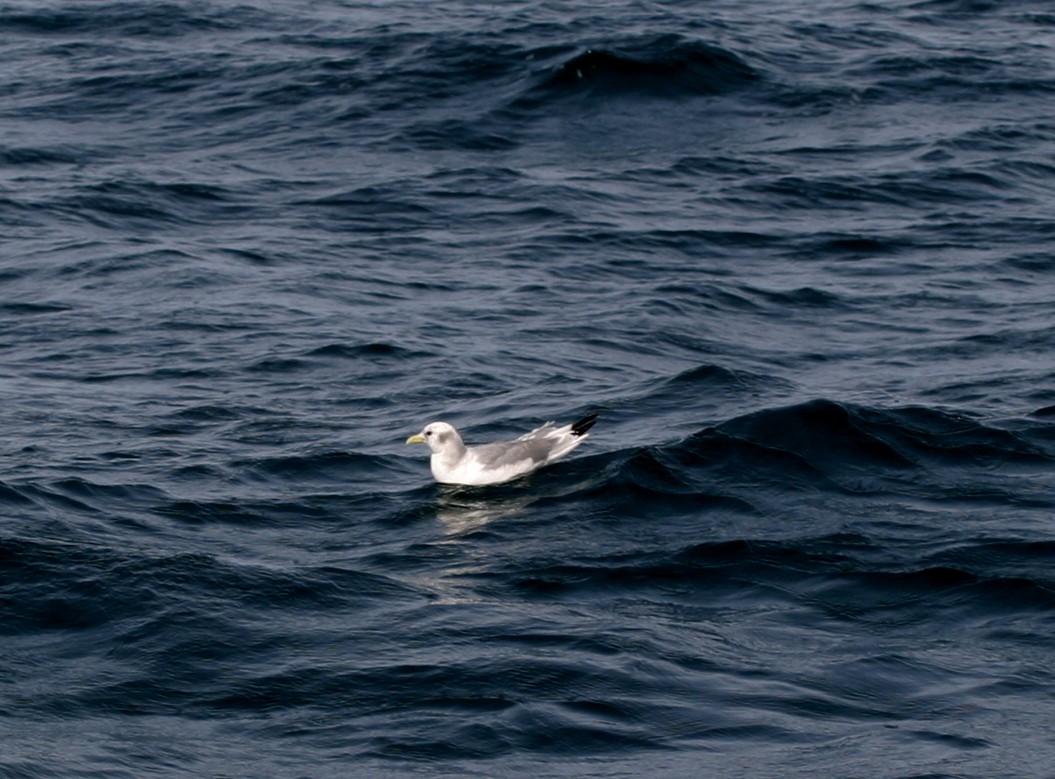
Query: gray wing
505, 453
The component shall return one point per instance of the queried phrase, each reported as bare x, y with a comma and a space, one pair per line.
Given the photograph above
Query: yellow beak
417, 438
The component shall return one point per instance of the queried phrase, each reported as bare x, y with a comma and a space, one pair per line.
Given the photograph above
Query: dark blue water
798, 256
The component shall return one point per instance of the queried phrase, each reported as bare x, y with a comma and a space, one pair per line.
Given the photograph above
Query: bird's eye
428, 433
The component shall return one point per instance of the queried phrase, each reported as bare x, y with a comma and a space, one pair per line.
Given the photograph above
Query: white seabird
455, 463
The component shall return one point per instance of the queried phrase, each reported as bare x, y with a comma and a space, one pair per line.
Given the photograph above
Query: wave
326, 466
663, 66
766, 460
375, 351
65, 585
836, 435
845, 576
132, 19
125, 204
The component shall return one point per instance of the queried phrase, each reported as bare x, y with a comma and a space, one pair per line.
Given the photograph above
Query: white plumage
455, 463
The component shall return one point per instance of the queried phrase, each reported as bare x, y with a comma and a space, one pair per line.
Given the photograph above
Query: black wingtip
583, 425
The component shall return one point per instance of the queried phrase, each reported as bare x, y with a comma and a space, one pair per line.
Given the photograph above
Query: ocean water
798, 256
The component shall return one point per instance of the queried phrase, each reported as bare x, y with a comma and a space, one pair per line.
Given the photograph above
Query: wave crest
667, 66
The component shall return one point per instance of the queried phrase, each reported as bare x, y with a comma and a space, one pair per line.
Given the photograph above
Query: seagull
455, 463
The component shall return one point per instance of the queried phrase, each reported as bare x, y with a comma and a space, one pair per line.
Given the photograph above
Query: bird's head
438, 435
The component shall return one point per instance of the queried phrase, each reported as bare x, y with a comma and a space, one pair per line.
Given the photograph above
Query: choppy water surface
798, 256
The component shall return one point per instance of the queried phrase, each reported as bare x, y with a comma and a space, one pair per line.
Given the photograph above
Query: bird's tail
569, 436
580, 428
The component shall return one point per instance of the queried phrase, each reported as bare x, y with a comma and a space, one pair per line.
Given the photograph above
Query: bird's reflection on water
463, 509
